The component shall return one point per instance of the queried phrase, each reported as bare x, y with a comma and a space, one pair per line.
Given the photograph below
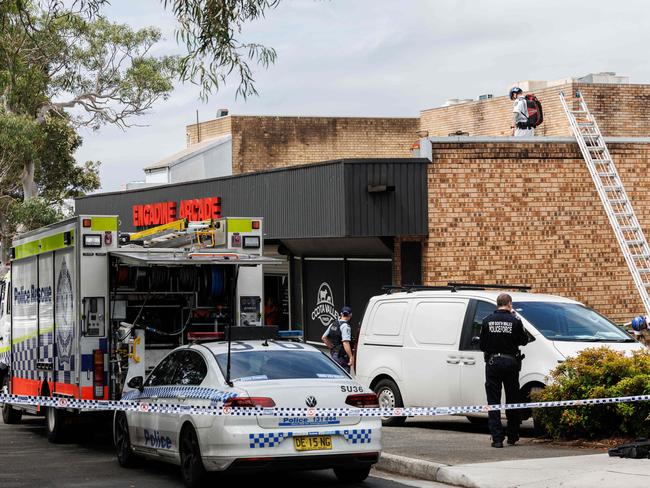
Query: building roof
187, 153
359, 198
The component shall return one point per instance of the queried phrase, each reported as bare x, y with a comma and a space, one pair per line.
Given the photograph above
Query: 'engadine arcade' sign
159, 213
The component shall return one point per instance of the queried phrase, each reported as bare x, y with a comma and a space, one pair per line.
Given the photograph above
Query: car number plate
313, 443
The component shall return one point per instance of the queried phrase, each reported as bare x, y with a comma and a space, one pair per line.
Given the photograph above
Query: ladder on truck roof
178, 233
611, 192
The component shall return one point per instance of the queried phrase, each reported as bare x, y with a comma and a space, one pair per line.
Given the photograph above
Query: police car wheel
56, 425
192, 467
389, 397
355, 475
125, 456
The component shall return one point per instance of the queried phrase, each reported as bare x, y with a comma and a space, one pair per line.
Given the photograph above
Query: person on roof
520, 123
640, 330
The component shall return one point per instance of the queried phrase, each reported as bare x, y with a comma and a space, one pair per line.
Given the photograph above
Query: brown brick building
266, 142
498, 209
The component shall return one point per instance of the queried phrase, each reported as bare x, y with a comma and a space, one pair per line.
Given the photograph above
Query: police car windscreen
278, 365
570, 322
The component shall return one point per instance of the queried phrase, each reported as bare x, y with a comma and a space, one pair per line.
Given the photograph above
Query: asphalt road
27, 459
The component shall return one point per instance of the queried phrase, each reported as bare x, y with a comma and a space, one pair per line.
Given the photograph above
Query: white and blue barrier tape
217, 407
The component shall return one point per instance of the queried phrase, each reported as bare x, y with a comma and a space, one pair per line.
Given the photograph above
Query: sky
381, 58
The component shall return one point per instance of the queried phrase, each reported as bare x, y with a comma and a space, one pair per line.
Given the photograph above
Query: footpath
453, 451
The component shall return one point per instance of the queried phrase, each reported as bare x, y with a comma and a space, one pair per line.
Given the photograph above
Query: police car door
191, 372
144, 425
431, 359
472, 365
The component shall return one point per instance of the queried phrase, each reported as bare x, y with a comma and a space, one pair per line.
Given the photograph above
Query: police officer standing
501, 335
337, 338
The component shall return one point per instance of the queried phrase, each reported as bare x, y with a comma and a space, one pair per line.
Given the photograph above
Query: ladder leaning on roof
611, 191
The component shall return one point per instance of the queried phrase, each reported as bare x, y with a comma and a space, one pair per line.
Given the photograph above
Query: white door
144, 428
431, 357
472, 365
190, 373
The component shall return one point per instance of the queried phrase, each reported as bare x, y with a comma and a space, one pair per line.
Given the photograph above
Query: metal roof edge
185, 154
296, 167
531, 140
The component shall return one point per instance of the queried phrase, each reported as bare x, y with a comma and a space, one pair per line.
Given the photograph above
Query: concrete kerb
410, 467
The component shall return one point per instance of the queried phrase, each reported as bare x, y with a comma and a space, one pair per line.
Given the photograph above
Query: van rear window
387, 320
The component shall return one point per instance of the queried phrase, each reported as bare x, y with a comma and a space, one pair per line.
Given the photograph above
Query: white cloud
385, 58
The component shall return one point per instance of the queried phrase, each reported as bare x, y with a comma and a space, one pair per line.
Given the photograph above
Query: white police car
263, 373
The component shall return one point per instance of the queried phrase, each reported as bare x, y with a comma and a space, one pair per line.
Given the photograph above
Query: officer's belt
503, 355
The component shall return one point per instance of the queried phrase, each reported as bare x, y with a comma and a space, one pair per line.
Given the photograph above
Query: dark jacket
502, 332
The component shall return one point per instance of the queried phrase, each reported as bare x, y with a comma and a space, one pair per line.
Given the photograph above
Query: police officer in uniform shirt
337, 338
502, 333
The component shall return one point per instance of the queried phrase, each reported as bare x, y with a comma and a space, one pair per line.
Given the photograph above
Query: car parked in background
416, 347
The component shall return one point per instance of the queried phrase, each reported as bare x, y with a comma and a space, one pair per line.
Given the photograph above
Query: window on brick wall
411, 263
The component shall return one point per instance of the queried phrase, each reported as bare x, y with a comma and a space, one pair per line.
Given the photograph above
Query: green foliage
598, 373
35, 213
211, 31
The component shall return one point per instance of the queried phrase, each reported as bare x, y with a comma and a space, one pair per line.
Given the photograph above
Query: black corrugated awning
342, 198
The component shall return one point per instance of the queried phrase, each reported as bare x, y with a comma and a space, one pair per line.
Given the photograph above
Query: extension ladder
612, 194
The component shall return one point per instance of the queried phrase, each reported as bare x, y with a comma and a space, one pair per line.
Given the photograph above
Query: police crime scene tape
219, 409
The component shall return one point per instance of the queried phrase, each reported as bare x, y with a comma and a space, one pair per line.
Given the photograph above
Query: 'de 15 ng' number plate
313, 443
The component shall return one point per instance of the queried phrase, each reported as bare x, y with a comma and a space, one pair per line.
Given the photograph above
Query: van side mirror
137, 383
476, 340
530, 336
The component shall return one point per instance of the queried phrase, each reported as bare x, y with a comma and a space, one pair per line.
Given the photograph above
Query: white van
416, 350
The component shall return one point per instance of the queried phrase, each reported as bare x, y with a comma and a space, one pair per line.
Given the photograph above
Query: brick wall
262, 142
208, 130
616, 108
529, 214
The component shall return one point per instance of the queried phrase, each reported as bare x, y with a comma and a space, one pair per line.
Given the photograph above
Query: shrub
597, 373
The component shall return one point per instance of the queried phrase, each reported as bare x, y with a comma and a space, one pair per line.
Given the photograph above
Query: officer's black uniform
338, 351
501, 335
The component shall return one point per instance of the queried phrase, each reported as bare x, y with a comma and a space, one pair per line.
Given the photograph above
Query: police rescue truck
85, 308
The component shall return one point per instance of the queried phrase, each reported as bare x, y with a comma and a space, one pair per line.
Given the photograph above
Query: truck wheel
125, 456
10, 415
56, 425
192, 467
356, 475
389, 397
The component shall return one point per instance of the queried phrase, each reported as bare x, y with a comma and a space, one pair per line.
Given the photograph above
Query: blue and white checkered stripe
359, 436
216, 409
273, 439
25, 357
267, 440
189, 392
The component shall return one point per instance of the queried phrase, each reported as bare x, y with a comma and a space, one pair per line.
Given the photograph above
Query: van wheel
9, 414
56, 425
389, 397
526, 393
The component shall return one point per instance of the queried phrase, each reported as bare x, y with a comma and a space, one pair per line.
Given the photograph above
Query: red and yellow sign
160, 213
